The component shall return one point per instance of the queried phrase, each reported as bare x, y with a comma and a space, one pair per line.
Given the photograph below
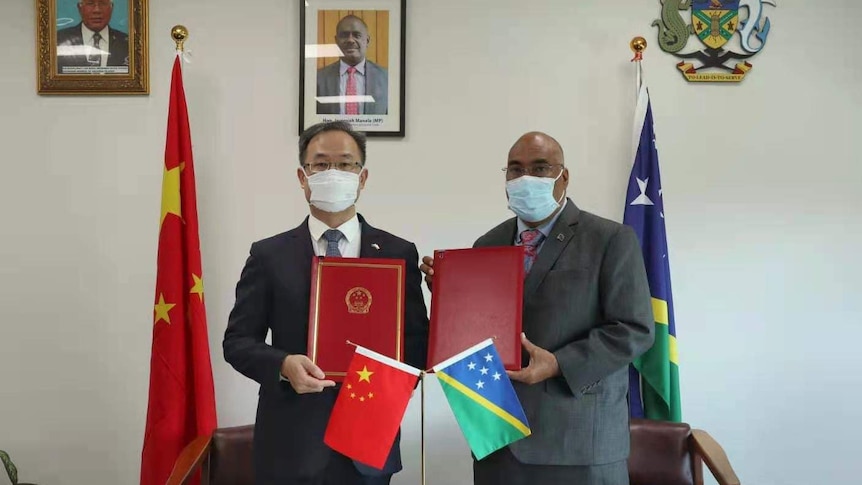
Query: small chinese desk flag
370, 406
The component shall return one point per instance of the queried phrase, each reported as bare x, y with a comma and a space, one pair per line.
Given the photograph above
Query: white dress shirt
359, 75
348, 245
104, 43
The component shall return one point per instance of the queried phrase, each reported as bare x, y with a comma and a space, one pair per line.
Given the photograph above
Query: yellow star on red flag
198, 288
364, 374
162, 310
171, 198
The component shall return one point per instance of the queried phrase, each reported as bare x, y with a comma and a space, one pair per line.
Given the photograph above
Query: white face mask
532, 198
333, 190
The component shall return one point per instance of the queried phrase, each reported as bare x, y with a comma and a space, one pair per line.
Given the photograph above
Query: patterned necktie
351, 108
530, 239
95, 56
332, 237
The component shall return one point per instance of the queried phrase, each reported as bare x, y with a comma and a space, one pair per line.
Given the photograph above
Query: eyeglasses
535, 171
94, 3
315, 167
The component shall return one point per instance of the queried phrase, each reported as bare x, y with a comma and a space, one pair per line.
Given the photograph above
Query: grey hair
312, 131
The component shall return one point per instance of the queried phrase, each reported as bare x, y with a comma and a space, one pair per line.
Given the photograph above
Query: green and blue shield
714, 21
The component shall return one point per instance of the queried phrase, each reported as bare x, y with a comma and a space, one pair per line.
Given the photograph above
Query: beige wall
761, 183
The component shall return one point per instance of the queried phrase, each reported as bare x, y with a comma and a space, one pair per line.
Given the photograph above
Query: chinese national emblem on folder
358, 300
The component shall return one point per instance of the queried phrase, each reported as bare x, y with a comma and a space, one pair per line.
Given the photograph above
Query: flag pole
422, 425
638, 45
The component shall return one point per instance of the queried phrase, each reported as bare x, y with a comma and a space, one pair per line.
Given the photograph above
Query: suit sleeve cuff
277, 357
569, 374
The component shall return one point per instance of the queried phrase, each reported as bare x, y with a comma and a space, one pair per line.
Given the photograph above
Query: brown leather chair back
660, 453
230, 459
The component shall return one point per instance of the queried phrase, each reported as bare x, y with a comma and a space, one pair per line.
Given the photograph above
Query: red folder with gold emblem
478, 294
360, 300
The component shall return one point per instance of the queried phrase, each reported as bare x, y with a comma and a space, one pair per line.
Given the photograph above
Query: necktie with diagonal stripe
530, 239
95, 55
351, 107
332, 237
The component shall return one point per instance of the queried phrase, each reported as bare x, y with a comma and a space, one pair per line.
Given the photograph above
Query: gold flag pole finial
638, 46
179, 33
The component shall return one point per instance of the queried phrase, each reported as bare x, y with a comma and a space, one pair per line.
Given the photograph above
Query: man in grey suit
353, 75
92, 42
587, 315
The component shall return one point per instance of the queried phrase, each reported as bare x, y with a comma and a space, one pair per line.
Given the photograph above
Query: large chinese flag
182, 398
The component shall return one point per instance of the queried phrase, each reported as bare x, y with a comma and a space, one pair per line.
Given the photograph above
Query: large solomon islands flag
654, 392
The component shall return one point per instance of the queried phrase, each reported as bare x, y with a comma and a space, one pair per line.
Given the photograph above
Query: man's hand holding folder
303, 375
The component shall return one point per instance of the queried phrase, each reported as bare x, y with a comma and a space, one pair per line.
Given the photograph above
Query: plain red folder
360, 300
477, 294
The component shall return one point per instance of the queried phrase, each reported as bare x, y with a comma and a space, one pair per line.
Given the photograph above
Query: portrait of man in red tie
354, 84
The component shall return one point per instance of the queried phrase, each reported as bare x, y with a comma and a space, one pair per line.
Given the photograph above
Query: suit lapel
332, 81
293, 258
560, 236
371, 245
117, 51
78, 38
506, 235
373, 87
301, 240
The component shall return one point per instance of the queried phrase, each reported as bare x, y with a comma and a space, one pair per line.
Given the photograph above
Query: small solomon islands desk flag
482, 399
370, 407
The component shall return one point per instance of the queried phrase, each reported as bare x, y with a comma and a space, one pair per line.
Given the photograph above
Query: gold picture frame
114, 58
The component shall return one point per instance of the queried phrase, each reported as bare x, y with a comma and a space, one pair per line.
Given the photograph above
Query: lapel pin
560, 237
375, 246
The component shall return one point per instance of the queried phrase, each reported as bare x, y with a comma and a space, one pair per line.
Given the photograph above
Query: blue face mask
532, 198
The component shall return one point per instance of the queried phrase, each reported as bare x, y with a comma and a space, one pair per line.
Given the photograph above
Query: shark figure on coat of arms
714, 23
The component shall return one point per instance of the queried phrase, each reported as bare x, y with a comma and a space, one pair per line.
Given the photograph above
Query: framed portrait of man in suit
92, 47
352, 64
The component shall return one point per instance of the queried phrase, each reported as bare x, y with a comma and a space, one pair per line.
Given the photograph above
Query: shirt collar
545, 228
88, 34
350, 228
359, 67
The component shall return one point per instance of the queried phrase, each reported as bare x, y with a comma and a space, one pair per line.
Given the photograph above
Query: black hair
353, 17
312, 131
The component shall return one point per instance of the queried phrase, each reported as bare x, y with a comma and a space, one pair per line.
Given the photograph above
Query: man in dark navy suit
273, 295
92, 42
